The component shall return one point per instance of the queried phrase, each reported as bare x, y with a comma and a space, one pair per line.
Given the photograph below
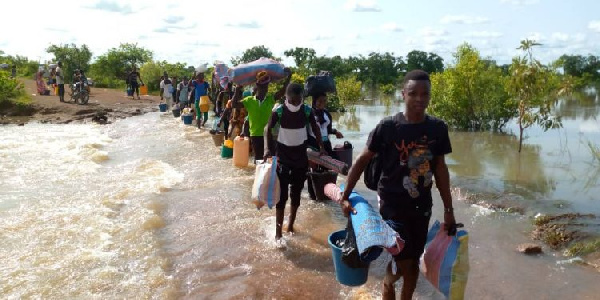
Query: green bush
387, 89
10, 89
470, 94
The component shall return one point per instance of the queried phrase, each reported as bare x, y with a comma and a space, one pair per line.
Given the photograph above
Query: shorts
294, 179
412, 225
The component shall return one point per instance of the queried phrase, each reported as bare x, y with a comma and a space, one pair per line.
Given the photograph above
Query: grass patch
595, 151
583, 248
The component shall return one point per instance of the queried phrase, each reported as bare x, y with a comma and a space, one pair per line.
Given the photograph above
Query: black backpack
372, 172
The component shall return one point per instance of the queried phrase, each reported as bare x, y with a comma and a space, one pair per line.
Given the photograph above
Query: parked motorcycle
80, 93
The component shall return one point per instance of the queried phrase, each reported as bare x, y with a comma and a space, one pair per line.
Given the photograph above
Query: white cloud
431, 32
362, 6
392, 26
520, 2
324, 37
462, 19
112, 6
484, 34
244, 24
594, 26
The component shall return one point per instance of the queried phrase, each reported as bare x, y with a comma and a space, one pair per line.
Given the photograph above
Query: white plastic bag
202, 68
265, 189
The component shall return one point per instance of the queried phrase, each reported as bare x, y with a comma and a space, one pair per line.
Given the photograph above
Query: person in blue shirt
201, 93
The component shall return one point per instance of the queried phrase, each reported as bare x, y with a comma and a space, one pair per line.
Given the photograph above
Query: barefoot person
259, 108
290, 148
201, 89
413, 145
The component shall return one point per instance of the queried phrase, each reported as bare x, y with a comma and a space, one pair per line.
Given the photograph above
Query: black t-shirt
292, 139
408, 151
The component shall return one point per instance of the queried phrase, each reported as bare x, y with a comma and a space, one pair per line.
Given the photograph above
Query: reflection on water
494, 158
582, 105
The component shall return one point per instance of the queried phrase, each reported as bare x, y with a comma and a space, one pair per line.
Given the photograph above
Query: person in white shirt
167, 87
60, 81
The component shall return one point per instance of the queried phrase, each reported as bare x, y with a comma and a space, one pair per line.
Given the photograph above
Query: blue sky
200, 31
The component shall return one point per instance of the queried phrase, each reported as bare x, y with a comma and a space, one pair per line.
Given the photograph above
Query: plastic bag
202, 68
350, 254
445, 262
266, 189
321, 83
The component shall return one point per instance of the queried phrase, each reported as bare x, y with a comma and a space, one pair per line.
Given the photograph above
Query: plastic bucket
319, 180
187, 119
226, 152
344, 274
130, 92
162, 107
176, 112
218, 138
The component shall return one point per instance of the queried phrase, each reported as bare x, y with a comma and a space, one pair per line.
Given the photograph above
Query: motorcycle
80, 93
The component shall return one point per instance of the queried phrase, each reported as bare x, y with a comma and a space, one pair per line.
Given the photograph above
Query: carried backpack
372, 172
279, 111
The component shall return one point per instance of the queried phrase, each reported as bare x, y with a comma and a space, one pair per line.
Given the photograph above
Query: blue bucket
343, 273
187, 119
162, 107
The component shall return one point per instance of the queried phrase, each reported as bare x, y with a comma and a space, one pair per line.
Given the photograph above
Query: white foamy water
73, 228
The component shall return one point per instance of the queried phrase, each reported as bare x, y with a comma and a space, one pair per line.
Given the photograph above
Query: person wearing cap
259, 107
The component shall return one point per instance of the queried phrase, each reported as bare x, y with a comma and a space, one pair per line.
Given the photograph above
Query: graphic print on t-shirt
417, 157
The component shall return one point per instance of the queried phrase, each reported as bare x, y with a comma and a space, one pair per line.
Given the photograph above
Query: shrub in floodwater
388, 89
583, 248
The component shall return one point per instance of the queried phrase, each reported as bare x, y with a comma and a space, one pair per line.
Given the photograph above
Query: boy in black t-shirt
292, 117
413, 145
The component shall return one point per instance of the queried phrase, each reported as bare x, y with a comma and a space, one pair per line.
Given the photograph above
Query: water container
162, 107
176, 112
241, 151
344, 153
144, 90
226, 152
218, 138
343, 273
130, 92
187, 119
228, 143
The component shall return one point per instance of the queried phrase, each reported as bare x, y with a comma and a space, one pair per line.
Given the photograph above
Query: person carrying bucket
259, 108
182, 93
292, 118
411, 147
324, 120
202, 101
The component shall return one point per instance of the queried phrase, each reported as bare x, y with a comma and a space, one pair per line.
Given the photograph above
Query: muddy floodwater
145, 208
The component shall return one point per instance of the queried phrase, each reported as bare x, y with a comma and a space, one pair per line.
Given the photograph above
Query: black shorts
292, 178
412, 225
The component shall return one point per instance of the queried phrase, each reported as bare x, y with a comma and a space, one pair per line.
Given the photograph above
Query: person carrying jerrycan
411, 146
259, 108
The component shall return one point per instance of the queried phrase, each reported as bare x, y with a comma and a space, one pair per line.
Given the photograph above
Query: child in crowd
225, 117
182, 93
167, 87
292, 118
324, 120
